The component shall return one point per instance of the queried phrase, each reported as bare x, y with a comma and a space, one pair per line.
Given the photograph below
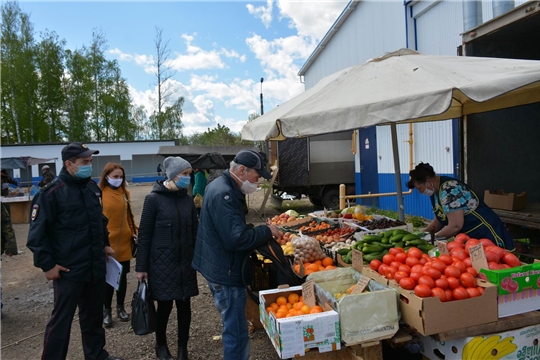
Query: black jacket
68, 228
224, 239
167, 234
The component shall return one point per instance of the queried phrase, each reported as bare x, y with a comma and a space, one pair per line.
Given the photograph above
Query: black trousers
88, 296
183, 316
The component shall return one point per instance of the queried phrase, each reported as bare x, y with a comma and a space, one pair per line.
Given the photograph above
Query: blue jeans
231, 303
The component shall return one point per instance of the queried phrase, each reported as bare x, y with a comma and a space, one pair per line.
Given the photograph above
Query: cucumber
358, 245
344, 251
373, 256
410, 237
385, 240
396, 238
416, 242
369, 249
371, 238
400, 244
384, 246
401, 231
425, 248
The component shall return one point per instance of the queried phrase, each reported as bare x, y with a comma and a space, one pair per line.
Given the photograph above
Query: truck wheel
330, 199
315, 200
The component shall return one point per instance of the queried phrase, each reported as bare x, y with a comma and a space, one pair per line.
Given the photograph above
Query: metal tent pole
397, 170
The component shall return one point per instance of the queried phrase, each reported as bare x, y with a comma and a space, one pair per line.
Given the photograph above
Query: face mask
84, 171
428, 192
183, 182
247, 187
115, 182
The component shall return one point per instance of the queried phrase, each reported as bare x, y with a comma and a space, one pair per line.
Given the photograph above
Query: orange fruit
270, 309
318, 262
274, 306
327, 261
281, 300
293, 298
305, 309
321, 268
307, 272
290, 315
298, 305
316, 309
282, 311
330, 267
301, 299
313, 267
297, 268
280, 315
289, 305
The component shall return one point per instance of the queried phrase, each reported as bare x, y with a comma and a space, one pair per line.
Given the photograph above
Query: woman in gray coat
166, 242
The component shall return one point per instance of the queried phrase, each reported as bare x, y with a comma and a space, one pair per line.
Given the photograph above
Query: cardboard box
367, 316
509, 345
513, 280
504, 201
431, 316
292, 336
519, 303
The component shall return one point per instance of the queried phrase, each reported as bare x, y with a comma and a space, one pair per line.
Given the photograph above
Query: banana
485, 347
510, 348
470, 346
503, 348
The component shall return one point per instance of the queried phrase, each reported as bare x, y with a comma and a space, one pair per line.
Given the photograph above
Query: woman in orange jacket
122, 231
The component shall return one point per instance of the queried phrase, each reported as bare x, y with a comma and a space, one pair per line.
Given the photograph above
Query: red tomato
400, 275
414, 252
467, 262
433, 273
446, 259
460, 265
438, 292
461, 238
452, 271
504, 266
401, 257
473, 292
438, 264
422, 290
453, 282
459, 253
471, 242
449, 296
511, 260
460, 293
426, 280
411, 261
441, 283
405, 268
497, 250
407, 283
395, 264
394, 251
454, 245
467, 280
416, 276
492, 256
389, 273
426, 256
427, 264
423, 260
493, 265
374, 264
472, 271
480, 290
387, 259
486, 242
382, 269
417, 268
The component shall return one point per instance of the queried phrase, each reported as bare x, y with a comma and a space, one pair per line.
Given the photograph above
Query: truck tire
315, 200
330, 199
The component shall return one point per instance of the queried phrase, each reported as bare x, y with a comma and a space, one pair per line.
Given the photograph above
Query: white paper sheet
114, 270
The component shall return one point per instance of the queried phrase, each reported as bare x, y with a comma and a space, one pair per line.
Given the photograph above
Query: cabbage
291, 213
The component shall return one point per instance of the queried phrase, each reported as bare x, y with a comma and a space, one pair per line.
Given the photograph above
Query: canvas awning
22, 161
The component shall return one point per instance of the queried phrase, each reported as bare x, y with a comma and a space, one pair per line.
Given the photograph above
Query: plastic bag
143, 312
307, 249
198, 199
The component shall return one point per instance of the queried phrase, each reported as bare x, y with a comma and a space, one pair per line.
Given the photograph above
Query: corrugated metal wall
374, 28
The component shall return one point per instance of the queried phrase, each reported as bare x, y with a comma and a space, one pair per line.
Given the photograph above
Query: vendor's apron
478, 223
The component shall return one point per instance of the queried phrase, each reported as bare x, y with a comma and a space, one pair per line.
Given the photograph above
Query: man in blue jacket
223, 241
70, 241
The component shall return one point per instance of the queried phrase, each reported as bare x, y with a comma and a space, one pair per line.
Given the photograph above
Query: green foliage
416, 221
221, 135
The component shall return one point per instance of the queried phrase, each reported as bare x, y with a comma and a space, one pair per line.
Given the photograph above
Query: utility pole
262, 108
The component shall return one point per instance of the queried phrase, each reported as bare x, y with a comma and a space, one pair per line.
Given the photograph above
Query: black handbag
143, 311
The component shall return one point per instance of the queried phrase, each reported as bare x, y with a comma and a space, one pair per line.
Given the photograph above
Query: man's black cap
76, 149
253, 160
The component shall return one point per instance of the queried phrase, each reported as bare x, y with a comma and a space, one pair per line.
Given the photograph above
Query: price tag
357, 260
361, 285
443, 249
478, 257
308, 293
325, 212
302, 269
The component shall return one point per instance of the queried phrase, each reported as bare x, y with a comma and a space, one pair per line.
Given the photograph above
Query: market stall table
19, 207
529, 216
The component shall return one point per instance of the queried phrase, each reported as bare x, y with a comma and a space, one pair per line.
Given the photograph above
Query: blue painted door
369, 173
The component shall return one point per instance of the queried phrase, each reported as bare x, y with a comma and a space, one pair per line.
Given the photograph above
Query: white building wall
373, 29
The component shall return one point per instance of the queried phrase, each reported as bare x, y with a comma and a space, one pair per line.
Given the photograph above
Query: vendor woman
457, 208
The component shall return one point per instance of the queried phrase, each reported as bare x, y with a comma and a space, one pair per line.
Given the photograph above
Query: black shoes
182, 352
163, 353
107, 317
121, 312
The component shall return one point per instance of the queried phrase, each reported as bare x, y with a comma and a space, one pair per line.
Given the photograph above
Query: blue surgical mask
84, 171
183, 182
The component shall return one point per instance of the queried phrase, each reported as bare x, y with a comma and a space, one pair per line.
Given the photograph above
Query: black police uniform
68, 228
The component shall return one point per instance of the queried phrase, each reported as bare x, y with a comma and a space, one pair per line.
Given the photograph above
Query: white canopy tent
401, 87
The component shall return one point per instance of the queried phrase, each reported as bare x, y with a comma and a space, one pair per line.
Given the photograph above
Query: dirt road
28, 296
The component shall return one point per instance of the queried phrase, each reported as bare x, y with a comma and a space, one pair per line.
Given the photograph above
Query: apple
512, 286
504, 283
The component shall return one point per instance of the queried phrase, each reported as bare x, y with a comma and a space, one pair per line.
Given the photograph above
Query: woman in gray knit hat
167, 234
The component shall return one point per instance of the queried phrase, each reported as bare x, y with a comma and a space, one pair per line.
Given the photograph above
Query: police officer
47, 176
69, 238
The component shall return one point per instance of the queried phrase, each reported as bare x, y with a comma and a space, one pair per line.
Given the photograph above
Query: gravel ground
28, 296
